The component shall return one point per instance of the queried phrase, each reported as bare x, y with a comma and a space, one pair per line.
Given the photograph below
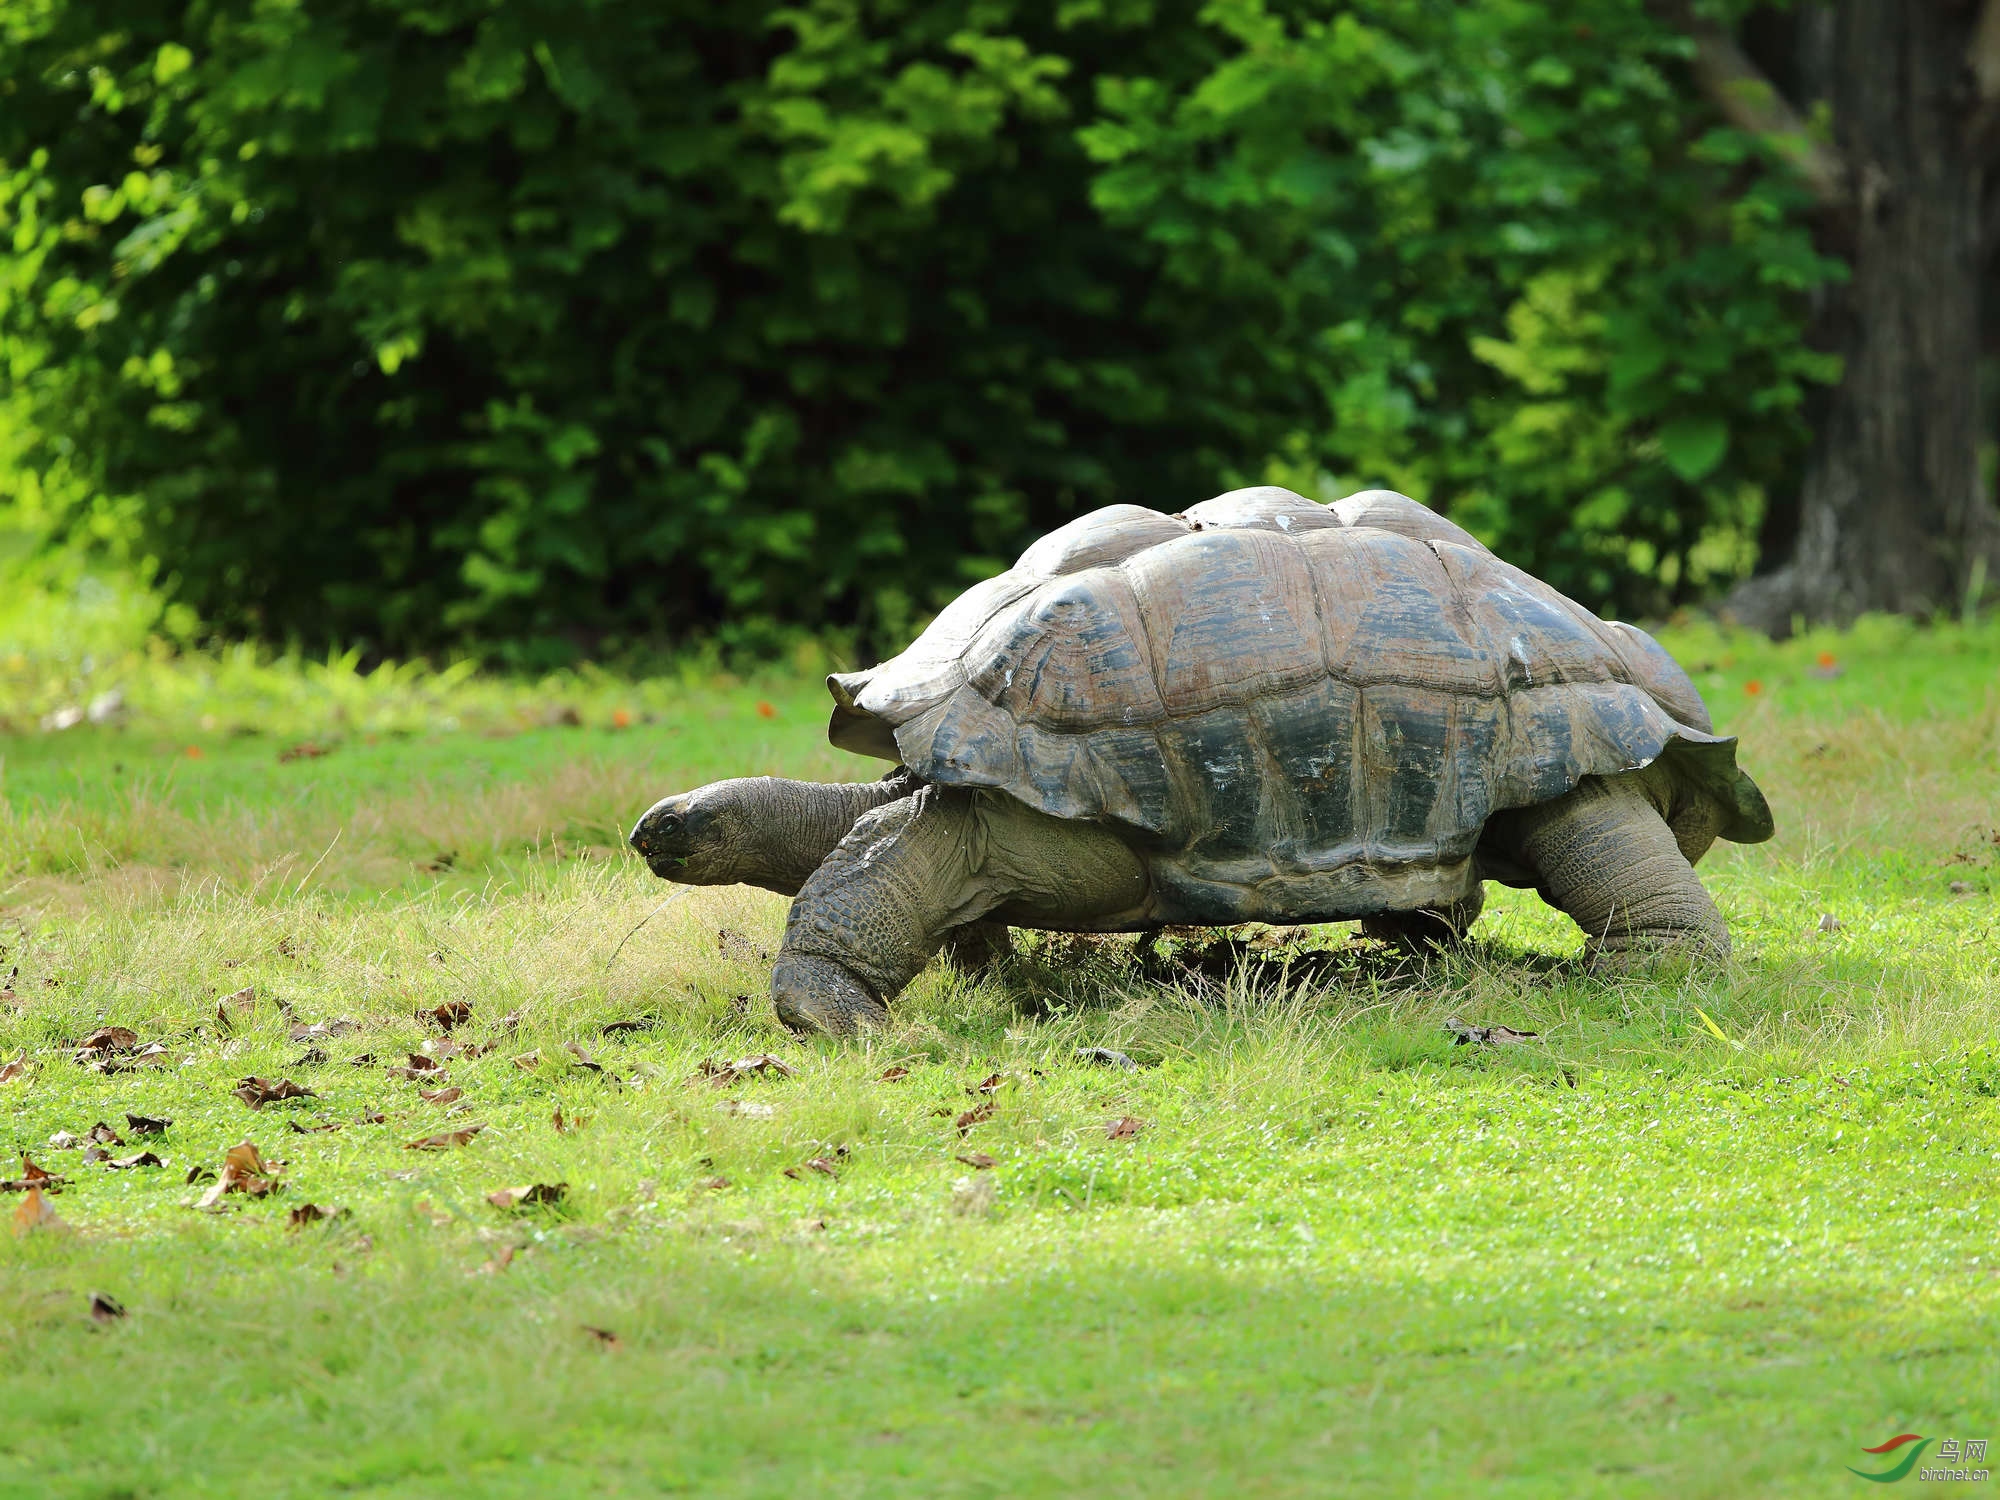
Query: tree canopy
542, 326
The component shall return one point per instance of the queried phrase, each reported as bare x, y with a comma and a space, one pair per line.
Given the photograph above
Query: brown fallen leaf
732, 944
570, 1126
583, 1058
62, 1140
1492, 1036
527, 1062
304, 750
715, 1184
312, 1057
826, 1166
16, 1067
990, 1084
722, 1074
445, 1141
258, 1092
1124, 1128
894, 1074
423, 1062
441, 1096
979, 1161
451, 1013
104, 1135
627, 1028
245, 1171
311, 1213
974, 1196
36, 1212
108, 1039
324, 1127
973, 1116
146, 1125
92, 1155
372, 1117
199, 1173
528, 1195
604, 1336
241, 1003
105, 1308
499, 1262
811, 1226
136, 1159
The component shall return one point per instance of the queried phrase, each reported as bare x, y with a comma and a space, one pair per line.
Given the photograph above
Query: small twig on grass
642, 922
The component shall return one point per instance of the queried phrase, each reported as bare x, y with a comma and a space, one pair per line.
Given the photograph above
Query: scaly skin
1607, 856
922, 867
757, 830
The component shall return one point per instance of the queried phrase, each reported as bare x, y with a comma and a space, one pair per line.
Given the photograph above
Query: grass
1340, 1254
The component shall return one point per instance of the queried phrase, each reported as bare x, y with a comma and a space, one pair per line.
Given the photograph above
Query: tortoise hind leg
1605, 855
1427, 928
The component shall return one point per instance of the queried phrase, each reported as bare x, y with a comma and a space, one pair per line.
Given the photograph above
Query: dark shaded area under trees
551, 328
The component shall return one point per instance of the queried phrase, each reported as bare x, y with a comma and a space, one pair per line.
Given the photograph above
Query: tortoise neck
804, 820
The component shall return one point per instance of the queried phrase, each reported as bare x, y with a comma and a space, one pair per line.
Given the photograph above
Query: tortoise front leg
873, 914
1605, 855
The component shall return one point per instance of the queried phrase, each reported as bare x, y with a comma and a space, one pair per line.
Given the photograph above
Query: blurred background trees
550, 329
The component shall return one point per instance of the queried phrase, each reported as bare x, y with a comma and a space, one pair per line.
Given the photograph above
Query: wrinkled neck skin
799, 822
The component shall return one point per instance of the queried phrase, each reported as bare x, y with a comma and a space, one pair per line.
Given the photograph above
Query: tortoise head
708, 836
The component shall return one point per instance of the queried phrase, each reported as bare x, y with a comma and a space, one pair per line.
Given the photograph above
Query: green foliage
486, 320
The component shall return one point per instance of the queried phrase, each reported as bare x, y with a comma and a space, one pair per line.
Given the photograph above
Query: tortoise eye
672, 823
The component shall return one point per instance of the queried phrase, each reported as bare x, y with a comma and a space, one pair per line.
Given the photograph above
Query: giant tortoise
1261, 709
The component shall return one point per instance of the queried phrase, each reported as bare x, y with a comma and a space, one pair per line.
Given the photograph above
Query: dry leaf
35, 1213
311, 1213
421, 1062
1493, 1036
626, 1028
733, 944
1125, 1127
199, 1173
245, 1171
572, 1124
304, 750
146, 1125
715, 1184
603, 1336
826, 1166
451, 1013
722, 1074
1828, 922
92, 1155
499, 1262
527, 1062
372, 1117
1961, 888
990, 1084
108, 1039
105, 1308
242, 1003
973, 1116
136, 1159
62, 1140
894, 1074
583, 1058
746, 1110
441, 1096
528, 1196
258, 1092
445, 1141
104, 1135
323, 1128
16, 1068
979, 1161
1105, 1057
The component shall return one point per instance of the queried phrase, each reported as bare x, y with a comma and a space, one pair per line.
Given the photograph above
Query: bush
423, 321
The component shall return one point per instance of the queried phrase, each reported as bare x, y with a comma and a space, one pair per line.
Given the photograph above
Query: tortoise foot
818, 995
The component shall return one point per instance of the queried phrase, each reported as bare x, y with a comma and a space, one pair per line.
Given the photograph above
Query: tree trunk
1891, 513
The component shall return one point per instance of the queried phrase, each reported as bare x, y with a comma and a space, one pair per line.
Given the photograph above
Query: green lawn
1340, 1254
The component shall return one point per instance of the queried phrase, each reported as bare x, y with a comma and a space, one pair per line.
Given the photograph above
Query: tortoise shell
1297, 711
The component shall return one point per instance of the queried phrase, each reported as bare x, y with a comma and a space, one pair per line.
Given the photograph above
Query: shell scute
1229, 615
